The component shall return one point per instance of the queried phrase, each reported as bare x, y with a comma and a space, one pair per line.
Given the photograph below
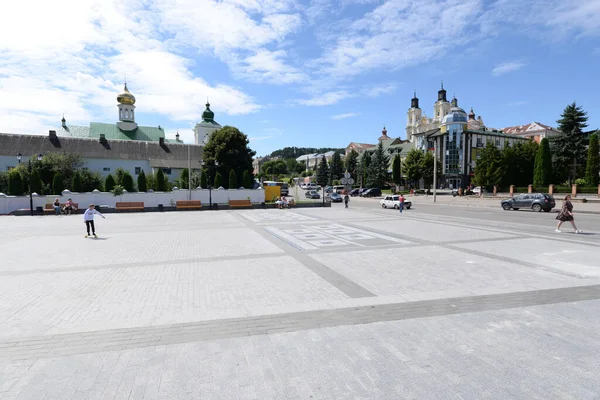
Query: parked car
336, 198
393, 201
312, 194
535, 201
371, 193
354, 192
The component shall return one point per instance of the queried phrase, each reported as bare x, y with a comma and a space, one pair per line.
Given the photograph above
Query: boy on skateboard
88, 217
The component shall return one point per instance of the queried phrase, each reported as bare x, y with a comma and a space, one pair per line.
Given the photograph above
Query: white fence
9, 204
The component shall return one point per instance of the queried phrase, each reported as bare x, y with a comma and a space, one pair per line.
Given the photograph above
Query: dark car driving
336, 198
371, 193
534, 201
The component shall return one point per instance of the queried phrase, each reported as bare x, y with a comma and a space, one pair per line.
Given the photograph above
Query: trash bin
160, 207
39, 210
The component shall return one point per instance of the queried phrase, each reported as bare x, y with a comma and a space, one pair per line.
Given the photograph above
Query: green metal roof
112, 132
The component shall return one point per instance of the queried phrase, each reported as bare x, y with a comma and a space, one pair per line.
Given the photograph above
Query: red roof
513, 130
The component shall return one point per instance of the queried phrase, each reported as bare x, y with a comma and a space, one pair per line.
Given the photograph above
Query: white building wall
9, 204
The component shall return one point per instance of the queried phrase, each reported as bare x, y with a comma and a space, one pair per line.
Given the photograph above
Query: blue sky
318, 73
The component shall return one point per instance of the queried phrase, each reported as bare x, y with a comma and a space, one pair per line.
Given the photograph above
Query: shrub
218, 180
203, 183
109, 183
160, 185
35, 182
57, 184
232, 180
247, 180
118, 190
76, 183
141, 181
127, 182
3, 182
15, 183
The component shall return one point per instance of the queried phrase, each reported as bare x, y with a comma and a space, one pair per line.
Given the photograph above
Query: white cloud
344, 116
399, 33
507, 67
268, 66
326, 99
72, 59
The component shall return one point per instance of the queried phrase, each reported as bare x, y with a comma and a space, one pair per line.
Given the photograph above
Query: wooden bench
240, 203
129, 206
49, 208
188, 205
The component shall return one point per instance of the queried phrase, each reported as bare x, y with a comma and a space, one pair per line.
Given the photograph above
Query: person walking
346, 200
401, 205
566, 214
88, 217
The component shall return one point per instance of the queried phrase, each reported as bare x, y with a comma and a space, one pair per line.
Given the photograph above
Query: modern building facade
457, 146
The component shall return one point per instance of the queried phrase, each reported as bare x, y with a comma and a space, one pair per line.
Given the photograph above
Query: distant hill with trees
294, 152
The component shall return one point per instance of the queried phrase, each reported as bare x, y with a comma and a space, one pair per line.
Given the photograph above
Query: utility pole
435, 170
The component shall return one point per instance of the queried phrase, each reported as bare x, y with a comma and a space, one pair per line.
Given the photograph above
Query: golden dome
126, 97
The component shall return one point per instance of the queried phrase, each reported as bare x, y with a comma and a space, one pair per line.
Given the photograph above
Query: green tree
141, 181
426, 166
119, 173
322, 172
64, 164
183, 179
233, 184
57, 184
272, 168
229, 147
519, 161
592, 170
363, 168
490, 168
3, 182
218, 180
247, 180
396, 170
203, 183
160, 184
76, 185
378, 169
542, 173
109, 183
293, 166
568, 148
90, 180
35, 182
15, 183
336, 167
127, 182
413, 166
351, 163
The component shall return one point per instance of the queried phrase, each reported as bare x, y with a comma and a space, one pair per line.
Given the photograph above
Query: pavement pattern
359, 303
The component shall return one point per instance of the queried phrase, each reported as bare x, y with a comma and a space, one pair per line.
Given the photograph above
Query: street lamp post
29, 171
435, 146
210, 180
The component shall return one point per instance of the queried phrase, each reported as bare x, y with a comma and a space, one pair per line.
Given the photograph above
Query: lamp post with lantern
210, 180
29, 172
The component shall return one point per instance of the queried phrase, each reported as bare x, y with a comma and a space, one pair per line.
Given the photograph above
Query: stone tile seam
319, 319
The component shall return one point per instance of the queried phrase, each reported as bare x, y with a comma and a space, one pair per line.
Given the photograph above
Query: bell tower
126, 110
413, 117
441, 106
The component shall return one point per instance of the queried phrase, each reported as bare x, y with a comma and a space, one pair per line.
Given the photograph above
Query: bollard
574, 190
512, 190
529, 188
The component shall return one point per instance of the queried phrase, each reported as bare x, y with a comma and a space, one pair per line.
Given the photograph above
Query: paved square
332, 303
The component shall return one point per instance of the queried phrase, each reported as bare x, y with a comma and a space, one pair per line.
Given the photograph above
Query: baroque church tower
441, 107
414, 117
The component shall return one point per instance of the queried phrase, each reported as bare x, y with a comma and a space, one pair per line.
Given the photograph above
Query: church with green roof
125, 129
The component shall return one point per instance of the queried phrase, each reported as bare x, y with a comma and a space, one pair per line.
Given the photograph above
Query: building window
126, 114
106, 169
479, 142
166, 171
138, 170
497, 142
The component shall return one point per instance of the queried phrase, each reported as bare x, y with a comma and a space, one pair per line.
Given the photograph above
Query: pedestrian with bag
566, 214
